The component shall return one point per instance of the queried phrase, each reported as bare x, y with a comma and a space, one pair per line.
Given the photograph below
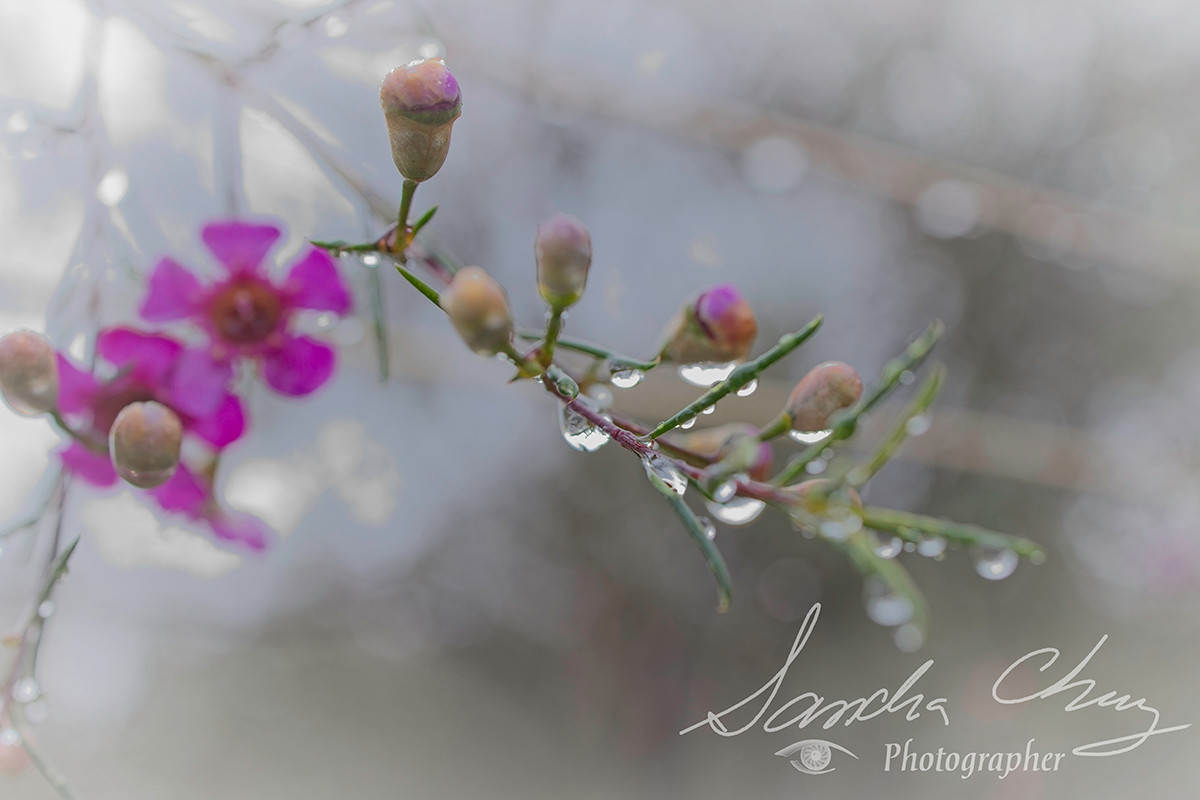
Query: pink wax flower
148, 367
247, 314
191, 495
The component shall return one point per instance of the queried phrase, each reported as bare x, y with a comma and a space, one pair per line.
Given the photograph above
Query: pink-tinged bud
755, 458
28, 373
564, 254
420, 102
718, 327
144, 443
825, 390
805, 494
478, 308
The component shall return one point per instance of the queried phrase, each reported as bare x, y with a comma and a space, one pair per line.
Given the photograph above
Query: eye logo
812, 756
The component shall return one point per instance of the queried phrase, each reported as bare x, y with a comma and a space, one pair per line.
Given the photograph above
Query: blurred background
463, 605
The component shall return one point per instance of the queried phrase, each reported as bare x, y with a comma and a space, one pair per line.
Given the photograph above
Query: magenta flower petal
314, 282
183, 494
198, 385
173, 293
240, 246
301, 366
224, 426
76, 388
151, 357
93, 467
244, 529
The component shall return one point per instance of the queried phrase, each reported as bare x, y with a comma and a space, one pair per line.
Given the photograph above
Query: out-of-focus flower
28, 373
420, 102
813, 494
478, 307
142, 368
718, 327
247, 314
147, 367
144, 444
191, 494
825, 390
563, 249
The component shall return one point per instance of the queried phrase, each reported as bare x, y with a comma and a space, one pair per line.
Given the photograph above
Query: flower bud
28, 373
478, 308
564, 253
420, 102
144, 443
718, 327
825, 390
805, 493
736, 443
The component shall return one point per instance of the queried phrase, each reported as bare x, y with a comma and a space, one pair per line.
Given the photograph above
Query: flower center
246, 312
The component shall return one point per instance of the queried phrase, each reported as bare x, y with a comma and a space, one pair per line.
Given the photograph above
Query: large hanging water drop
884, 606
748, 389
737, 510
995, 563
668, 473
627, 378
705, 374
579, 432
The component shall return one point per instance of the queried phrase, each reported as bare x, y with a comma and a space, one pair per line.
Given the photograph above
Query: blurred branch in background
1059, 222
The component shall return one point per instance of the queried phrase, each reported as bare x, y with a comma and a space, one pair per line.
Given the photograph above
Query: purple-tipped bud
719, 326
420, 102
28, 373
478, 308
144, 444
824, 391
564, 254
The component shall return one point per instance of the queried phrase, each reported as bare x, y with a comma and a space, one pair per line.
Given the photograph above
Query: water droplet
737, 510
885, 545
748, 389
691, 423
907, 377
579, 432
1037, 558
917, 425
430, 50
815, 467
602, 396
112, 187
884, 606
627, 378
46, 609
710, 409
667, 472
336, 27
9, 737
908, 638
994, 563
705, 374
832, 529
710, 528
725, 491
369, 259
931, 546
26, 690
910, 547
807, 437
